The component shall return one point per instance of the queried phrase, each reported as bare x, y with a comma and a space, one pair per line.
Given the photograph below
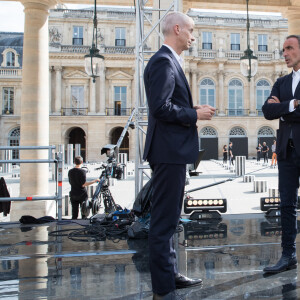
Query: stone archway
78, 136
115, 135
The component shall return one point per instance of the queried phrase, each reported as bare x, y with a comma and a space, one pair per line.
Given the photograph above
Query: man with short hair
77, 180
171, 143
284, 104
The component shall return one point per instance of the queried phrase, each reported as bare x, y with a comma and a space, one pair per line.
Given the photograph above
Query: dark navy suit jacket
282, 89
172, 133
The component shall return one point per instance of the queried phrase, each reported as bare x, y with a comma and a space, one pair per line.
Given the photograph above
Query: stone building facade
94, 114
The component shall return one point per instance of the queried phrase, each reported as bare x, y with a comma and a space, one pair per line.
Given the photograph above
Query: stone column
187, 74
194, 86
252, 105
92, 106
102, 90
50, 90
57, 103
292, 13
34, 111
221, 96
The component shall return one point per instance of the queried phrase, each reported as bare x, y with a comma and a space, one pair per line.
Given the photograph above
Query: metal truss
143, 20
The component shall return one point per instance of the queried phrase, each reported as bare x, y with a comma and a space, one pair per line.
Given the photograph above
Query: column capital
292, 13
39, 4
58, 68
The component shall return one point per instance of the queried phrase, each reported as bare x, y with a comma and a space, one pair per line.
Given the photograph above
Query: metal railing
58, 161
70, 111
237, 112
118, 111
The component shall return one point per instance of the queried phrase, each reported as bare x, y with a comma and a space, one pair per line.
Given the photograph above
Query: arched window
207, 92
237, 131
208, 132
235, 98
14, 140
266, 131
10, 59
263, 90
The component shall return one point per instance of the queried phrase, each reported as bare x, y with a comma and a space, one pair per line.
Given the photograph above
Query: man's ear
176, 29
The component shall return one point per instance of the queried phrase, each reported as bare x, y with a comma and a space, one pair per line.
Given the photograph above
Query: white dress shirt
296, 79
179, 59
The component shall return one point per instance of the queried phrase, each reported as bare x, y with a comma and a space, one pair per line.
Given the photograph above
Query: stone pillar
292, 13
92, 106
50, 90
194, 87
77, 150
221, 96
57, 103
252, 104
102, 90
70, 152
34, 110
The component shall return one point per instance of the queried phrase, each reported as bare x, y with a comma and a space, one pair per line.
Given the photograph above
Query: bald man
171, 143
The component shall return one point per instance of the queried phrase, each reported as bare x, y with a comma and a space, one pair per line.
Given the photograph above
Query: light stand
249, 62
94, 59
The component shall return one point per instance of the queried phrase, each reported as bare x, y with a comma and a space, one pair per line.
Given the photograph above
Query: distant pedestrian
258, 152
265, 150
225, 152
230, 151
274, 155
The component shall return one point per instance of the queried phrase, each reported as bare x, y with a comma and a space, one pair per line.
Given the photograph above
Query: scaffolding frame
141, 112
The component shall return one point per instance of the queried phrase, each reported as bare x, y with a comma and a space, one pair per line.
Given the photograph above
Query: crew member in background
77, 180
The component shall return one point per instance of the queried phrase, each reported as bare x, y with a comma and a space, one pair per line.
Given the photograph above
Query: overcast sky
12, 15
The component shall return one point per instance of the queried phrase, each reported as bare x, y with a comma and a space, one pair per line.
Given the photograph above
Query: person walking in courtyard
265, 150
225, 152
258, 152
274, 155
230, 152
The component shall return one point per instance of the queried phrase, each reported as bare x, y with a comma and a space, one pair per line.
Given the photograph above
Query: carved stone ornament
55, 37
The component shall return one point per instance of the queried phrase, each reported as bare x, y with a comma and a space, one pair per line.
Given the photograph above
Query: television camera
110, 169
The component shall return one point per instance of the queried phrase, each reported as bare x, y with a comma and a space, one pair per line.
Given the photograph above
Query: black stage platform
228, 255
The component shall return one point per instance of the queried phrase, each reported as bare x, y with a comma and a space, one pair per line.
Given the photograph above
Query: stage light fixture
204, 208
271, 205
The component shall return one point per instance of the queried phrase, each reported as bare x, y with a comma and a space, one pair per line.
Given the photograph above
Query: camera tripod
102, 193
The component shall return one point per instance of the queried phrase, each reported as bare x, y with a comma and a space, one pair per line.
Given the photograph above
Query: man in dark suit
171, 143
283, 104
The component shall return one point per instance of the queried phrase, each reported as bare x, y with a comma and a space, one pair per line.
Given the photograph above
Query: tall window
206, 40
263, 90
262, 42
120, 96
77, 35
235, 98
120, 38
14, 140
207, 92
235, 41
10, 59
77, 100
8, 100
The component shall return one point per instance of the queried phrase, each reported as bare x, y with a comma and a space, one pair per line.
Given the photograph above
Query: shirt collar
296, 73
179, 59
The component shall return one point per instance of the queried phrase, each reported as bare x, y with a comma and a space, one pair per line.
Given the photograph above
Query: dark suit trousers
289, 172
168, 192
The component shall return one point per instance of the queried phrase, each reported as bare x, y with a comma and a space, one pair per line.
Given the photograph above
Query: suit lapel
179, 68
289, 86
297, 91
